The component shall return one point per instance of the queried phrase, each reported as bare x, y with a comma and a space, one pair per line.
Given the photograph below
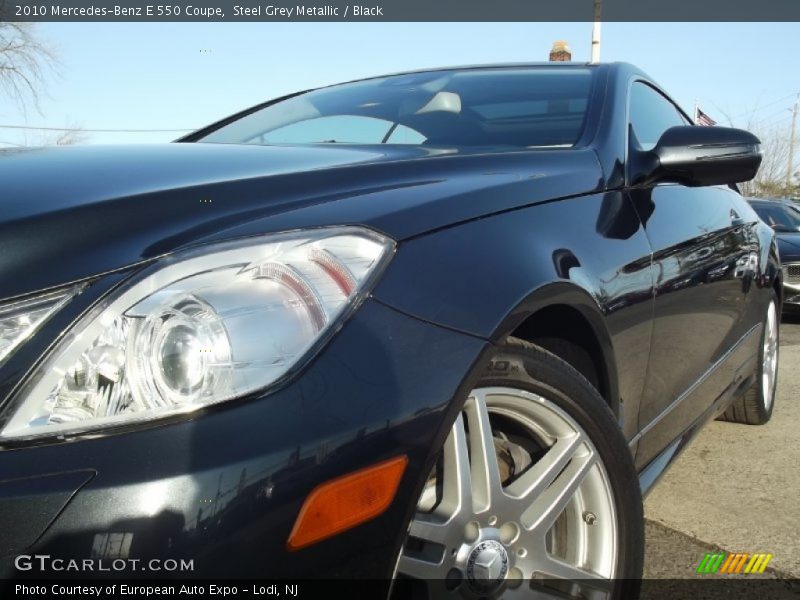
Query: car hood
789, 246
71, 213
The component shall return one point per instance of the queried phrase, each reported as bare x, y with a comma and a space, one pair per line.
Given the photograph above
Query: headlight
19, 320
203, 327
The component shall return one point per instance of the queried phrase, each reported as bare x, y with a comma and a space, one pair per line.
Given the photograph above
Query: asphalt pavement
736, 488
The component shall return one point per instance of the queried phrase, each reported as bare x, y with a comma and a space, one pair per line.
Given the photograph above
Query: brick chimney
560, 52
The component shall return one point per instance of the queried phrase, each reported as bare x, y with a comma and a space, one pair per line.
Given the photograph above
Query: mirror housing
695, 156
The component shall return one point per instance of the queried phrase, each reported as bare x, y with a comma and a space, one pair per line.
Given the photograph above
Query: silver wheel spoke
556, 521
546, 508
558, 569
429, 530
534, 481
442, 526
485, 470
457, 480
420, 569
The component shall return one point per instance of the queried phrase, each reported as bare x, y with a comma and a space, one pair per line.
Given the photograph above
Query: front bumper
791, 285
224, 488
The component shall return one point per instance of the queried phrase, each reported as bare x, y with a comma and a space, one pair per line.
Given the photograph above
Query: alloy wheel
519, 501
770, 367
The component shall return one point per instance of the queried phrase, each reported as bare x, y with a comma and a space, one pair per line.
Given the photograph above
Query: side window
651, 114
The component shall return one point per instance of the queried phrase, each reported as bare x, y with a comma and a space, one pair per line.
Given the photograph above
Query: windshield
778, 216
517, 107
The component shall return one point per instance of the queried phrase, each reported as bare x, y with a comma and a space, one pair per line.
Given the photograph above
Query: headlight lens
204, 327
19, 320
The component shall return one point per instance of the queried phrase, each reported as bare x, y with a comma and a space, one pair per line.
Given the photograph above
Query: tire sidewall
535, 370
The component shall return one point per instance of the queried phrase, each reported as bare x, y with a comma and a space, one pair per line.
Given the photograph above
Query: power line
773, 120
96, 130
759, 109
776, 117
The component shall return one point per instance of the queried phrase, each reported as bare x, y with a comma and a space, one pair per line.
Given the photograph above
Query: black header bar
397, 10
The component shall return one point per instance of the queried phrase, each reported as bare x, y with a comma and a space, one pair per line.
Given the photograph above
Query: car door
700, 252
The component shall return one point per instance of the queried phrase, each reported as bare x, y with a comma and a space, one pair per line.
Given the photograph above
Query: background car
789, 203
792, 205
438, 328
785, 220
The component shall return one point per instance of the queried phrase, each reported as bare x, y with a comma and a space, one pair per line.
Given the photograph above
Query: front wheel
534, 494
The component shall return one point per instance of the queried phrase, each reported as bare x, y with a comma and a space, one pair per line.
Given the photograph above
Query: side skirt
654, 470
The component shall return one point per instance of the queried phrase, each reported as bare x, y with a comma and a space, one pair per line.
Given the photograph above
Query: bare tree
69, 135
24, 61
770, 181
771, 177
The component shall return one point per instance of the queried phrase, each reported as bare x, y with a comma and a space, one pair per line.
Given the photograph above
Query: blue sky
186, 75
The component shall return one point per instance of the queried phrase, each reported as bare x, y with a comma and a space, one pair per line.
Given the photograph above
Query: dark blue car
784, 218
444, 326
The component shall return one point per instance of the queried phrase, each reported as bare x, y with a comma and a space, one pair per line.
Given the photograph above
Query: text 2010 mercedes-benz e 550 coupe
442, 326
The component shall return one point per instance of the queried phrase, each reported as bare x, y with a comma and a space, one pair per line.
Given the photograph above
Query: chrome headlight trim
322, 274
20, 319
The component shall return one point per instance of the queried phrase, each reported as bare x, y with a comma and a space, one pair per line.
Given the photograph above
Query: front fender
488, 276
585, 302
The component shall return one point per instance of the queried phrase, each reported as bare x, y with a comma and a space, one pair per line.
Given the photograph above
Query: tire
755, 406
534, 481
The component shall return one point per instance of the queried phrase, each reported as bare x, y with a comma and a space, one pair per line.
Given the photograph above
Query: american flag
701, 118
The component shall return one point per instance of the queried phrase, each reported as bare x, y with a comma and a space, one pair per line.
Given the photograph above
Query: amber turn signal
347, 501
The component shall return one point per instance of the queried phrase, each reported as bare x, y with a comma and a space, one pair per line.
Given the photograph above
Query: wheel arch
776, 276
563, 311
770, 274
777, 285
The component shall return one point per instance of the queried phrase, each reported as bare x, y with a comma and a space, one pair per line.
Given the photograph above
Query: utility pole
790, 164
596, 31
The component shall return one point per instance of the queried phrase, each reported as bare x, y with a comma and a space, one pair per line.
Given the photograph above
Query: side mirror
696, 156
